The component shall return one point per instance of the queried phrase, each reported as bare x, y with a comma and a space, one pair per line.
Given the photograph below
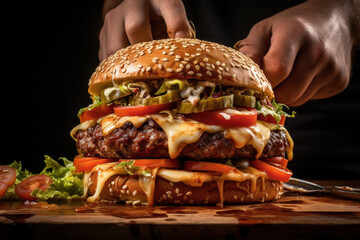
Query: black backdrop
50, 51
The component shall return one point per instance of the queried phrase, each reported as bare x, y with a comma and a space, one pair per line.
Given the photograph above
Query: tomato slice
271, 119
273, 172
96, 113
152, 163
27, 186
88, 163
7, 175
3, 188
208, 166
242, 117
279, 162
122, 111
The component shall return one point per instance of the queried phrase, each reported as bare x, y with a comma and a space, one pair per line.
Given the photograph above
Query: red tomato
27, 186
7, 175
88, 163
123, 111
227, 117
208, 166
3, 188
273, 172
96, 113
271, 119
279, 162
151, 163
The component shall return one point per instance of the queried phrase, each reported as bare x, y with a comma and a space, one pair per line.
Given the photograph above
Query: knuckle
134, 26
276, 68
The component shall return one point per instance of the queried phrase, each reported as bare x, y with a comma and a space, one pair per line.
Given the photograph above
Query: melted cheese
182, 132
110, 122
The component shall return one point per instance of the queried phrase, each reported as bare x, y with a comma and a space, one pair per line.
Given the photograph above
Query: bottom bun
129, 189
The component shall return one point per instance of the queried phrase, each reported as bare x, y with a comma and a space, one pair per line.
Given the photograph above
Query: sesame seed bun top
180, 58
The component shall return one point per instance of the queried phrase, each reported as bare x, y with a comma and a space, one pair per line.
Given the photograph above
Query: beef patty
150, 141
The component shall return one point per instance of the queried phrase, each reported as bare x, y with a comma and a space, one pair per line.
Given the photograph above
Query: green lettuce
277, 110
66, 184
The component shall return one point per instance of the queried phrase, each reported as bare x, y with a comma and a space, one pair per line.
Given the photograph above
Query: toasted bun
181, 59
125, 188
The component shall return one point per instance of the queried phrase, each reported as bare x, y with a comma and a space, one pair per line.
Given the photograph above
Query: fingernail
181, 34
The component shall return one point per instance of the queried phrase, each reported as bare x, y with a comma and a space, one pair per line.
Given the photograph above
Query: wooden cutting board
291, 217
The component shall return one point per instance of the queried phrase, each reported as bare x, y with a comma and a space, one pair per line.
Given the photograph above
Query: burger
182, 122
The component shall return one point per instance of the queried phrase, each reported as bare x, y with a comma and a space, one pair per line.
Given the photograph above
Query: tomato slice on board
279, 162
273, 172
3, 188
7, 175
271, 119
152, 163
88, 163
96, 113
140, 110
227, 117
28, 185
208, 166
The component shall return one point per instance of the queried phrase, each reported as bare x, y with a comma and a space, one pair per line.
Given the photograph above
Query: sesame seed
165, 59
190, 72
140, 66
206, 59
134, 193
219, 77
177, 56
164, 52
124, 187
148, 69
178, 70
179, 194
218, 71
187, 59
234, 196
186, 54
196, 62
110, 190
217, 63
208, 73
177, 190
200, 75
197, 54
128, 192
188, 66
188, 193
169, 69
160, 66
197, 67
113, 183
168, 193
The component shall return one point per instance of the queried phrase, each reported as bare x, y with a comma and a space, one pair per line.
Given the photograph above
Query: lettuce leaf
67, 183
276, 111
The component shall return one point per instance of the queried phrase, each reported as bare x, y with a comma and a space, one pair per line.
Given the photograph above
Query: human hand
134, 21
305, 51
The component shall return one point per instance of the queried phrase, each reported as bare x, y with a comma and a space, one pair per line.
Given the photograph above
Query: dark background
50, 51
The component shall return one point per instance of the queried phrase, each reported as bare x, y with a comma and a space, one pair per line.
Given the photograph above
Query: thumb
256, 44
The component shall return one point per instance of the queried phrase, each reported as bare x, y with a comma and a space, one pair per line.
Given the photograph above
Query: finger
279, 60
299, 80
112, 35
177, 24
256, 44
137, 22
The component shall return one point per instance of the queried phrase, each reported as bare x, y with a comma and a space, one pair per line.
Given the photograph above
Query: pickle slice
206, 104
111, 94
244, 100
170, 96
